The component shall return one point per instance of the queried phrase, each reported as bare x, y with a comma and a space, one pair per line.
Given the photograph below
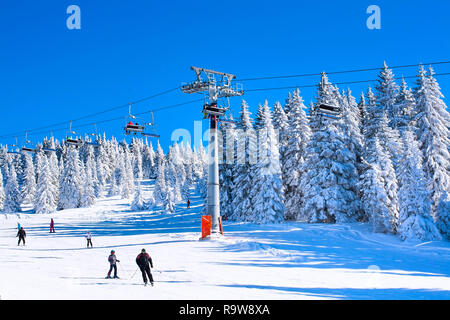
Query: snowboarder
144, 261
112, 265
22, 235
88, 238
52, 226
188, 203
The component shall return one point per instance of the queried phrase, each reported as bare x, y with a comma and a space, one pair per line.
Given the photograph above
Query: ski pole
123, 269
134, 273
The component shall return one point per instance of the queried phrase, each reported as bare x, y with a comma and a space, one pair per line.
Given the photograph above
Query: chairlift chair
77, 142
26, 148
153, 133
131, 127
329, 111
214, 110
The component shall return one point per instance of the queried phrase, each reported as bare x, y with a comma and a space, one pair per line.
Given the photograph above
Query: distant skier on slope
112, 265
22, 235
52, 226
144, 261
88, 238
188, 203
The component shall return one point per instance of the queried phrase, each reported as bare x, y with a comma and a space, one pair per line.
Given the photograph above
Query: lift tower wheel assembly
215, 86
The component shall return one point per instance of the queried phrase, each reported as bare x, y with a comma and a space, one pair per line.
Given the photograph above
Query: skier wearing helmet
112, 265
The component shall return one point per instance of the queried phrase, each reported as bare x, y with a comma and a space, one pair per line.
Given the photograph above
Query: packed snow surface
276, 261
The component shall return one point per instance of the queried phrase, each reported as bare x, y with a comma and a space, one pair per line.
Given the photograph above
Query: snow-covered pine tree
27, 179
443, 216
160, 191
228, 153
2, 192
138, 203
433, 123
148, 161
403, 108
379, 188
12, 192
88, 190
329, 180
136, 152
414, 221
298, 133
45, 200
266, 193
70, 183
387, 92
245, 161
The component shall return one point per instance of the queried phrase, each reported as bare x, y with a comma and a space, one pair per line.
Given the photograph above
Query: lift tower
217, 88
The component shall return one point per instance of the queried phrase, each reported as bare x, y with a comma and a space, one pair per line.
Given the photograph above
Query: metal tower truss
214, 85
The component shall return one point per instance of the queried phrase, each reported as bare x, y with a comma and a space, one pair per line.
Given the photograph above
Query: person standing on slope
112, 265
52, 226
88, 238
22, 235
144, 261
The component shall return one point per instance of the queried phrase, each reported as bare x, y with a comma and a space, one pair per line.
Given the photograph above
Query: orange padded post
206, 226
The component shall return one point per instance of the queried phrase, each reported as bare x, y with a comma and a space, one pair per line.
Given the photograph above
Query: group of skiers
143, 260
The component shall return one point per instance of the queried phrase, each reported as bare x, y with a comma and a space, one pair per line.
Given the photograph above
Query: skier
52, 226
112, 265
188, 203
144, 261
22, 235
88, 238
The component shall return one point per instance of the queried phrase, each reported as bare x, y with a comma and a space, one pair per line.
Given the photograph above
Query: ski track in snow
284, 261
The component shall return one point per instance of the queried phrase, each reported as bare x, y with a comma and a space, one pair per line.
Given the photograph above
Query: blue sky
127, 50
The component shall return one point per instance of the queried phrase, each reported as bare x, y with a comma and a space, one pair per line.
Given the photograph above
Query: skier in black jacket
144, 261
22, 235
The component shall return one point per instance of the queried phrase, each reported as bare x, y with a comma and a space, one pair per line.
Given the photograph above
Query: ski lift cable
339, 72
117, 118
93, 114
335, 83
248, 90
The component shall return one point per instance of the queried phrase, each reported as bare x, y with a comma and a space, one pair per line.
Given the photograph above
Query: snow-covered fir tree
45, 199
27, 179
12, 192
228, 152
138, 203
245, 161
433, 123
70, 183
2, 192
414, 220
443, 216
379, 189
294, 155
267, 193
330, 175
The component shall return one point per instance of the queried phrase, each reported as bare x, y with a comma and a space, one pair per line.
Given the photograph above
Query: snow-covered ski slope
285, 261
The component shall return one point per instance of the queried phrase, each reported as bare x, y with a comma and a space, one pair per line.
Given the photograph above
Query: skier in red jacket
144, 261
52, 226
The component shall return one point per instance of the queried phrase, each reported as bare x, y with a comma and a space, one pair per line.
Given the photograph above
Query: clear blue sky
127, 50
